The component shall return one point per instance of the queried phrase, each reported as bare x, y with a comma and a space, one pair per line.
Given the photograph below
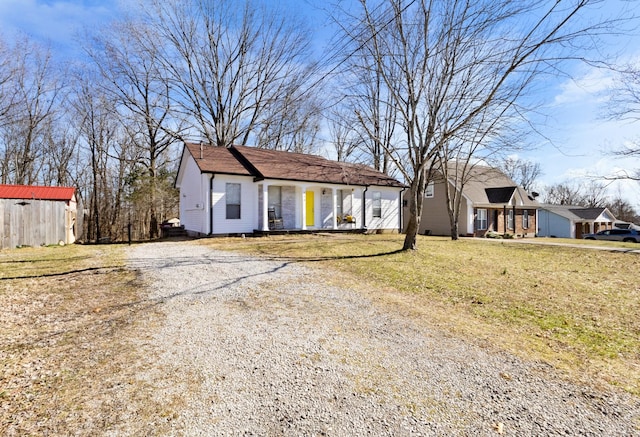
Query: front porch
300, 208
261, 233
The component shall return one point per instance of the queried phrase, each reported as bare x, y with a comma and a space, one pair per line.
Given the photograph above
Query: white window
510, 220
232, 197
525, 219
481, 219
275, 199
428, 191
377, 204
339, 203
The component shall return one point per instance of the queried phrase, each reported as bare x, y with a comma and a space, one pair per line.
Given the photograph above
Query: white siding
202, 212
248, 221
193, 206
390, 214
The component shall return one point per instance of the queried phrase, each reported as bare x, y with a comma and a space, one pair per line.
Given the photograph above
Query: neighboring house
567, 221
36, 216
491, 201
626, 225
242, 190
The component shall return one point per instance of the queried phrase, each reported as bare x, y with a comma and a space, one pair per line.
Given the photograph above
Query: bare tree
591, 195
625, 105
342, 136
523, 171
562, 194
60, 147
133, 77
229, 65
457, 158
372, 118
108, 155
36, 91
622, 209
293, 125
445, 63
594, 195
7, 74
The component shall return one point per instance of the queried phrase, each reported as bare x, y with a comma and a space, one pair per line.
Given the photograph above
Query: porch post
504, 219
334, 204
265, 206
304, 208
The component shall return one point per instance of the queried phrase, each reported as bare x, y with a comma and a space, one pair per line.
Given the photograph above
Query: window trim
376, 197
525, 219
429, 190
511, 219
479, 221
228, 212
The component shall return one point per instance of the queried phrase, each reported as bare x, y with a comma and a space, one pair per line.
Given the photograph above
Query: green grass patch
576, 308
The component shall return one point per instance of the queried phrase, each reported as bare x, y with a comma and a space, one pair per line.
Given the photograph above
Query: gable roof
216, 160
488, 186
36, 192
275, 164
499, 195
579, 213
588, 213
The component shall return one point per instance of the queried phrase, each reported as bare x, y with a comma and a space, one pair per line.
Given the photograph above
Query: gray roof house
569, 221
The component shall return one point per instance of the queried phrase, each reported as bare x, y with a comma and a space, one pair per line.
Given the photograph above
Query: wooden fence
35, 223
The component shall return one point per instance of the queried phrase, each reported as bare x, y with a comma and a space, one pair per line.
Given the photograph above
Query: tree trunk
415, 213
454, 229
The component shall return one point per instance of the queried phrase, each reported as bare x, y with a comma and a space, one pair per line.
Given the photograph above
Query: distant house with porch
36, 216
244, 190
568, 221
491, 201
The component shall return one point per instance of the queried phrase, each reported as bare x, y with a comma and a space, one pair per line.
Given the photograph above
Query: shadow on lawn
331, 258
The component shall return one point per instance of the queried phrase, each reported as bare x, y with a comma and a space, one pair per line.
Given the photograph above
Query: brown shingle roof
216, 160
273, 164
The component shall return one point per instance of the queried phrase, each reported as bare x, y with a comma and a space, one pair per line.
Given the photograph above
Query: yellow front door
310, 209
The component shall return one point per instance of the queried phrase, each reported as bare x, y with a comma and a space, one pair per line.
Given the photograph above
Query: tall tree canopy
453, 69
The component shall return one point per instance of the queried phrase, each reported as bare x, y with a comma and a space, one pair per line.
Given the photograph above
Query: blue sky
575, 106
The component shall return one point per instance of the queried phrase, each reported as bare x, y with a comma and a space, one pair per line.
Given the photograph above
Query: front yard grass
67, 364
576, 309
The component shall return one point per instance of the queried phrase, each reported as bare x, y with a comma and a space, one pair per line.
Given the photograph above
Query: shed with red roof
36, 215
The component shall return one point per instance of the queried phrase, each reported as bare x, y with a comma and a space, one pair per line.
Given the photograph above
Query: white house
566, 221
242, 190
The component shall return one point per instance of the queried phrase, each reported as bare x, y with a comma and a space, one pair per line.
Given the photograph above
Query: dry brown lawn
69, 363
577, 309
76, 324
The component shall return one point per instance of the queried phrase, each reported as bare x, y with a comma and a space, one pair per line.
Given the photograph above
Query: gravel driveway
258, 347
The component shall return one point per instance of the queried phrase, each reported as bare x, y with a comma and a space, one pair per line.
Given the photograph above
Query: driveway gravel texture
257, 347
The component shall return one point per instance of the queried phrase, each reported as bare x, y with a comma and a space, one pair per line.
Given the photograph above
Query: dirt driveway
249, 346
